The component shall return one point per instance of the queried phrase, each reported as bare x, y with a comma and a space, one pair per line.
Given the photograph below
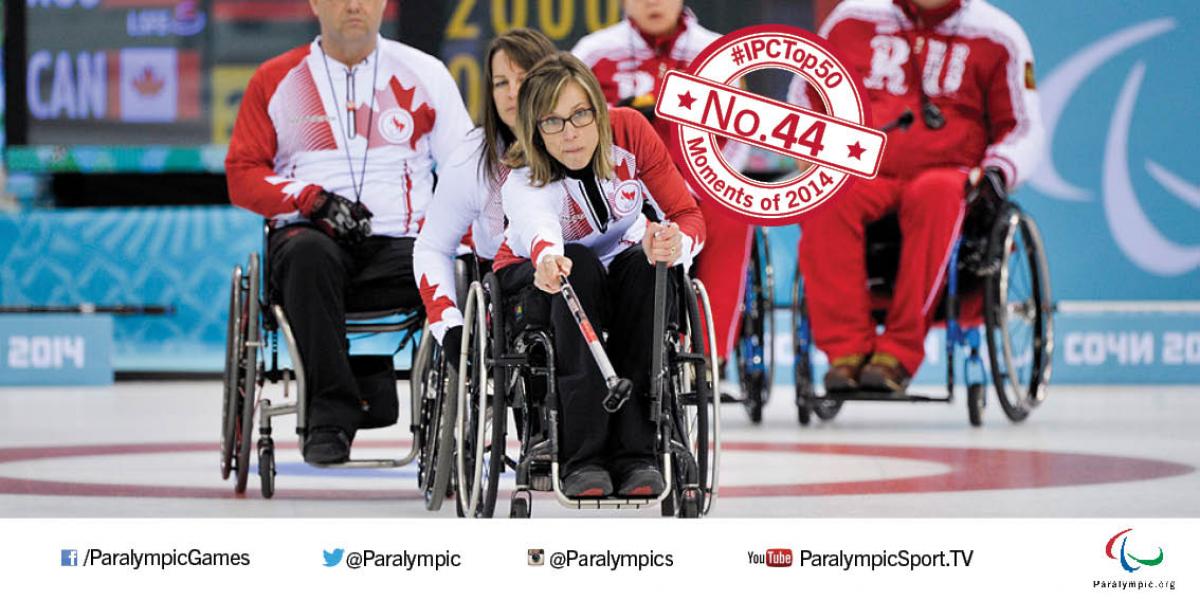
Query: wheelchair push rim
1019, 318
480, 429
246, 374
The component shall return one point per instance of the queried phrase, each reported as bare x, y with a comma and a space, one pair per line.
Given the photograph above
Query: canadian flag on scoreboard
156, 85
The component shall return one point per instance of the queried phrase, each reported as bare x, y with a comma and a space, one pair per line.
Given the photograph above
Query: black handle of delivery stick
657, 374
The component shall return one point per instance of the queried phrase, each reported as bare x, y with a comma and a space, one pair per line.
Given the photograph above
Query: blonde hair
539, 94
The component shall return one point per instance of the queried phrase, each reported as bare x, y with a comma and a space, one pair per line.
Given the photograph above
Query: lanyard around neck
357, 183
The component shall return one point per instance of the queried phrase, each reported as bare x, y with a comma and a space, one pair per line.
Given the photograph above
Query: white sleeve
456, 203
533, 230
453, 122
1014, 113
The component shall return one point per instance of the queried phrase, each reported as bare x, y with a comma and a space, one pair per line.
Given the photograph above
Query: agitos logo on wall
1125, 556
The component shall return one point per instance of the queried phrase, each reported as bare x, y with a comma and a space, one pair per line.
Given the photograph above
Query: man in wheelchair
335, 143
574, 202
966, 70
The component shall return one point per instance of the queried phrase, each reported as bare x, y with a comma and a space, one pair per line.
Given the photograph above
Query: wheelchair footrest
880, 396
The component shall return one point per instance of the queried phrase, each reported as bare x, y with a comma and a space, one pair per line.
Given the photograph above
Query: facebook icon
70, 558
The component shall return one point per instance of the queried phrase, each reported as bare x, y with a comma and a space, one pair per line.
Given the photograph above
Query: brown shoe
843, 374
884, 372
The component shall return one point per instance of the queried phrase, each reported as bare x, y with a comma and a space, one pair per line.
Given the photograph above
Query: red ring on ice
969, 469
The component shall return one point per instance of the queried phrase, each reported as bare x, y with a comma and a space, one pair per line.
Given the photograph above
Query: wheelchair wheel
754, 351
266, 467
481, 423
244, 379
702, 413
438, 410
802, 371
975, 399
519, 509
233, 358
1017, 311
807, 402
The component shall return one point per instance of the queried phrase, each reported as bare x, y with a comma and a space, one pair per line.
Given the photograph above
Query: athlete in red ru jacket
630, 59
976, 67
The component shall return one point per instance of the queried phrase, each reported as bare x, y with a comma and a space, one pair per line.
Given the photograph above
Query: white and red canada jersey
975, 64
542, 219
308, 122
466, 200
629, 63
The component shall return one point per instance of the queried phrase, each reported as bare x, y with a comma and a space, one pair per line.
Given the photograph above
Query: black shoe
587, 482
327, 446
641, 480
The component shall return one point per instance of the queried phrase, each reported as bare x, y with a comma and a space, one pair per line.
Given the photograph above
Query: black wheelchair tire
233, 349
975, 400
1018, 398
266, 467
248, 375
801, 356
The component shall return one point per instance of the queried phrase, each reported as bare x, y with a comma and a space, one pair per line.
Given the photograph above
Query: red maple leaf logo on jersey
401, 97
434, 306
623, 171
147, 83
575, 224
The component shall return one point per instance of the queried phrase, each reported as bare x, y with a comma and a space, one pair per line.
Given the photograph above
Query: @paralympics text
611, 560
132, 559
404, 560
903, 559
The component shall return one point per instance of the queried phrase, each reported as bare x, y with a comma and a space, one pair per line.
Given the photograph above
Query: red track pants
832, 258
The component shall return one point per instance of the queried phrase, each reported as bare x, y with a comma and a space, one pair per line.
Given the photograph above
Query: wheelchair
754, 350
508, 372
999, 256
257, 320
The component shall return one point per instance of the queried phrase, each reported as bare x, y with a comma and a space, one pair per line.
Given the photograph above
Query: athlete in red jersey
965, 69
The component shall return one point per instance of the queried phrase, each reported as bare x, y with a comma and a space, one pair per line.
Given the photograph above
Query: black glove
988, 185
347, 222
986, 195
643, 104
452, 345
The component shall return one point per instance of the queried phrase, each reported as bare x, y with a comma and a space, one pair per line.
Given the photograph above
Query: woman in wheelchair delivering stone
581, 175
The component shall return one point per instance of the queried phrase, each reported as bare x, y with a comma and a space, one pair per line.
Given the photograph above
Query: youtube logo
779, 557
773, 557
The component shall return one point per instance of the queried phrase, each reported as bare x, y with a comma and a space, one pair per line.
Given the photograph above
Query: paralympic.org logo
1126, 556
1132, 229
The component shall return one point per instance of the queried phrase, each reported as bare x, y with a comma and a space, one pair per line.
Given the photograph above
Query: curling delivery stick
619, 388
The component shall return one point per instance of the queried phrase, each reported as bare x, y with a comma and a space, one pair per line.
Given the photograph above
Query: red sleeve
633, 132
250, 163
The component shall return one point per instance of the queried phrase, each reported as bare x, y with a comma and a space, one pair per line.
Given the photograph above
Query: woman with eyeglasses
574, 200
468, 192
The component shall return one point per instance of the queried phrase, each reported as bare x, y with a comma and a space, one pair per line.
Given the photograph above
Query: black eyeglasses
580, 118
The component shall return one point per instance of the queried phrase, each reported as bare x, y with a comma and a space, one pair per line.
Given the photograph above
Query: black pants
318, 281
621, 302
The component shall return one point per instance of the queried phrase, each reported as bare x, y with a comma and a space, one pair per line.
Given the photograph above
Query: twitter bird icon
333, 558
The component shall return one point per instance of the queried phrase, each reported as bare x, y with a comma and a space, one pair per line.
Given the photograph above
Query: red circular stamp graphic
705, 105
